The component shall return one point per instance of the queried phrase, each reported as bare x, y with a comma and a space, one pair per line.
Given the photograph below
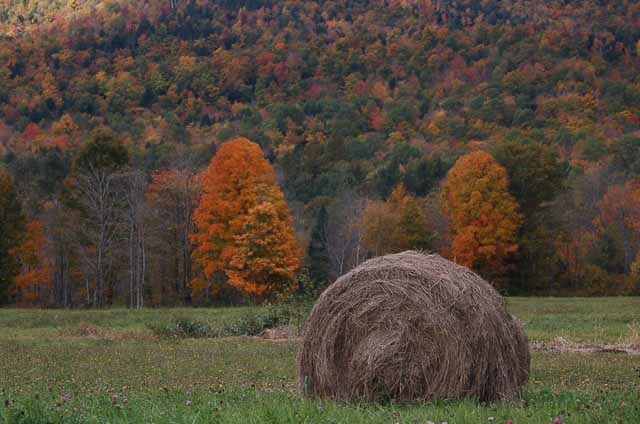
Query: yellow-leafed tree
396, 225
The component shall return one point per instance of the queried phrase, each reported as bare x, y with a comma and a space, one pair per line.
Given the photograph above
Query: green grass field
107, 366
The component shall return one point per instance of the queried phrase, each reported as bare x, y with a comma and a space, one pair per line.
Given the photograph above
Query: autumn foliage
396, 225
243, 232
483, 215
31, 285
621, 206
550, 88
619, 217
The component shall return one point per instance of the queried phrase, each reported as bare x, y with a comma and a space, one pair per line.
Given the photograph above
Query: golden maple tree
243, 226
483, 215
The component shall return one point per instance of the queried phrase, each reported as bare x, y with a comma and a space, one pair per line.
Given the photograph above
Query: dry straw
411, 326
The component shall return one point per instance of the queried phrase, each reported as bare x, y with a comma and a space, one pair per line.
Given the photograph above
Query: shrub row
252, 323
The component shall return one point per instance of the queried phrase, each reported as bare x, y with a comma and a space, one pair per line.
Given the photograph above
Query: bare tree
57, 224
135, 185
98, 200
437, 221
172, 198
344, 232
576, 210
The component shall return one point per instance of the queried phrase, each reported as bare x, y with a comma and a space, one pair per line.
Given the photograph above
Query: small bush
182, 328
252, 323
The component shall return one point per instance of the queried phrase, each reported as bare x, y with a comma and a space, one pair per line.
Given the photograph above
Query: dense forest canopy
349, 100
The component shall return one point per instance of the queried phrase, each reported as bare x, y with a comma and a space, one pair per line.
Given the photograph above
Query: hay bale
411, 326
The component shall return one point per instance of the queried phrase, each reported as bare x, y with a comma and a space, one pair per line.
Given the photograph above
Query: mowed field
109, 366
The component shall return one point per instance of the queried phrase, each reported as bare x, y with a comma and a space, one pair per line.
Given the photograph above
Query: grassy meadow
111, 366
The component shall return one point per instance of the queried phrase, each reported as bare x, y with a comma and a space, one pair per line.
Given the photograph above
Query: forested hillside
362, 107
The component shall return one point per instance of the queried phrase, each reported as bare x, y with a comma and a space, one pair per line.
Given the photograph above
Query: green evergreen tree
102, 153
536, 177
318, 254
12, 225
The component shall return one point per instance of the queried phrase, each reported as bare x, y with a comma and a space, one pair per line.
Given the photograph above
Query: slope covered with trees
348, 100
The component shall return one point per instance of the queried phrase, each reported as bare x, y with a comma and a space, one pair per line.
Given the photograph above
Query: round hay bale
411, 326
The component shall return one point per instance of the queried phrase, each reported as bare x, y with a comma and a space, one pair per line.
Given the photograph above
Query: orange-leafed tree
483, 216
33, 283
244, 236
